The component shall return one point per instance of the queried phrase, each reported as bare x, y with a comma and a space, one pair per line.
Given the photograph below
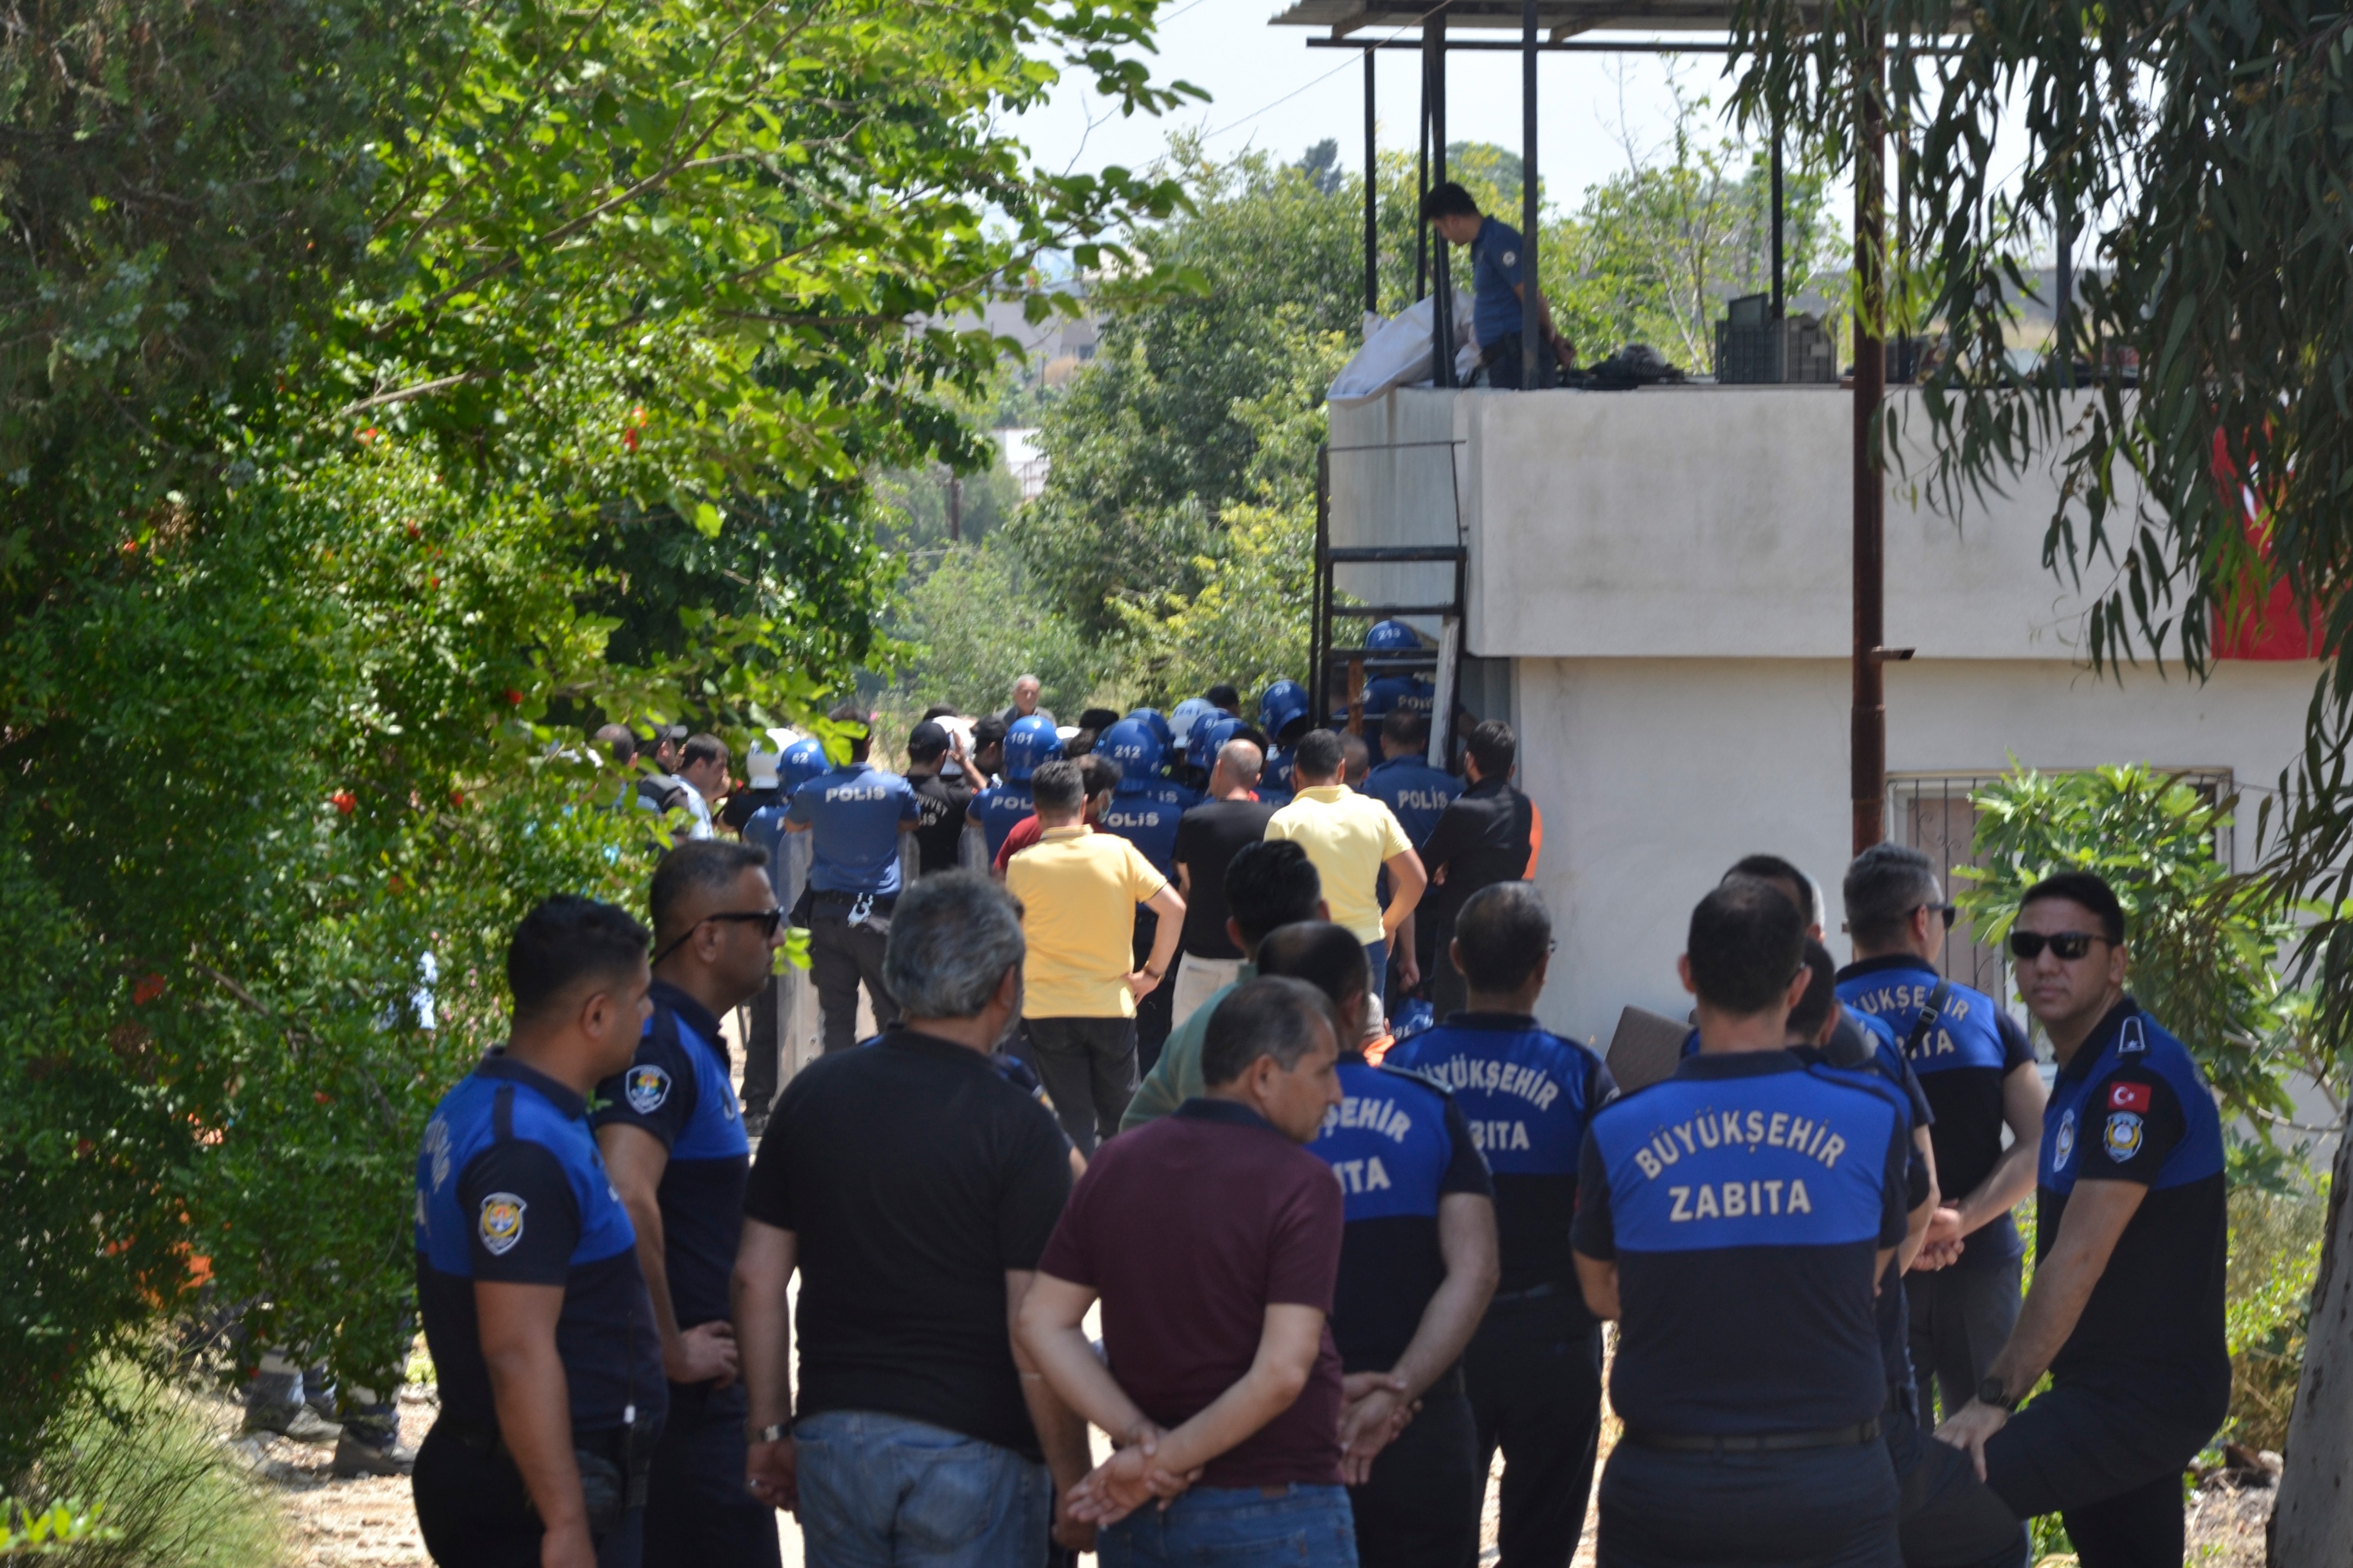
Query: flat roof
1559, 18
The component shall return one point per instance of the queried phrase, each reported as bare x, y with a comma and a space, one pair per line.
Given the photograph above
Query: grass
146, 1450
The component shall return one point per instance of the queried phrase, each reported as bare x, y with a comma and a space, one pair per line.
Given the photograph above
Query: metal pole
1319, 678
1869, 740
1422, 190
1780, 274
1372, 180
1531, 297
1433, 33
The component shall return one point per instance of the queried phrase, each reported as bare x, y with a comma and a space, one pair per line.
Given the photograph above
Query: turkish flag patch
2127, 1097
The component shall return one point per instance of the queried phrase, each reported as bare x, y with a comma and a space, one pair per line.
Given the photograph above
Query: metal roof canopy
1552, 26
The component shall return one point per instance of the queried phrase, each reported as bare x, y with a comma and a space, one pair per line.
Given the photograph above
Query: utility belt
872, 910
1762, 1442
613, 1462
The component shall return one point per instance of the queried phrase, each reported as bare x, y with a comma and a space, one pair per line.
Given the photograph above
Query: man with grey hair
1026, 689
914, 1189
1977, 1070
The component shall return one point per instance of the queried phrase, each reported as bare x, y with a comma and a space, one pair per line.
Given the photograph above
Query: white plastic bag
1397, 354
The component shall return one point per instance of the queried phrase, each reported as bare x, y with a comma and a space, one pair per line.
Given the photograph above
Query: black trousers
2105, 1463
1501, 359
762, 1052
1449, 993
1961, 1317
698, 1511
474, 1511
1821, 1508
1154, 1015
1946, 1517
1419, 1508
841, 957
1534, 1371
1088, 1066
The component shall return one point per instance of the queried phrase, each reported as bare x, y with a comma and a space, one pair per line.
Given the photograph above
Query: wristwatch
774, 1434
1989, 1391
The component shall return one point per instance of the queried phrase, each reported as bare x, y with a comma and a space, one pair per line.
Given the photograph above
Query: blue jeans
1237, 1527
1376, 957
882, 1490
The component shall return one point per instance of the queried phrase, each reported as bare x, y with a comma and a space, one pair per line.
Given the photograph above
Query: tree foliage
385, 386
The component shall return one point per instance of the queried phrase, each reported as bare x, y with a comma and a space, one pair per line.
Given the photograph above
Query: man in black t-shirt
1208, 836
1487, 835
941, 799
1418, 1263
915, 1188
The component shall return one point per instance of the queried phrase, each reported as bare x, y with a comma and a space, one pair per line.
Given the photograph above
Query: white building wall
1654, 774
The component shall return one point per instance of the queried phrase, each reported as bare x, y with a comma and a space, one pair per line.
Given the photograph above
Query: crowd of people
1348, 1219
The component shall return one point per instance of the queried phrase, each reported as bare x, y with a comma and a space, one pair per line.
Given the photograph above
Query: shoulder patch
2132, 1039
1511, 258
2124, 1096
2121, 1136
2063, 1147
1434, 1085
500, 1222
646, 1086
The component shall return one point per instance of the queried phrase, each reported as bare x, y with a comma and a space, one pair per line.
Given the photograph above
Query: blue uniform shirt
510, 1188
1962, 1061
1000, 809
1527, 1095
1745, 1201
1415, 793
854, 812
1414, 693
1147, 818
2131, 1106
1275, 786
1495, 270
678, 1091
1398, 1144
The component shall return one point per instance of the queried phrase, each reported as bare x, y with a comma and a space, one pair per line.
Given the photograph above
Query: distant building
1023, 461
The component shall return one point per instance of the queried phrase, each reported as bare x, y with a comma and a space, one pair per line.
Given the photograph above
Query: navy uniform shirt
1962, 1061
1527, 1095
1147, 818
1745, 1201
1275, 784
510, 1188
1416, 793
678, 1091
853, 813
1496, 271
1398, 1144
2132, 1106
999, 809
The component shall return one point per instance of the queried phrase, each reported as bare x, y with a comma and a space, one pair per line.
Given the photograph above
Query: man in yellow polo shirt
1079, 892
1350, 837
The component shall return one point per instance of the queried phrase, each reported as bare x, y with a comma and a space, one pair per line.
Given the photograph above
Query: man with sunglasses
2125, 1311
1976, 1069
679, 1158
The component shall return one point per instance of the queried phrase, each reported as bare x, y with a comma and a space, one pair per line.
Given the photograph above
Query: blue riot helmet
1392, 636
1029, 742
1284, 705
1131, 744
802, 760
1157, 722
1187, 714
1210, 737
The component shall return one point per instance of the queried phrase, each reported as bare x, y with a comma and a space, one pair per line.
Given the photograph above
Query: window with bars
1933, 813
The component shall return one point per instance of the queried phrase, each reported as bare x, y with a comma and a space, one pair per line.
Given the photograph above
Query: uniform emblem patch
2064, 1148
2127, 1097
646, 1086
436, 1150
2122, 1135
1511, 258
501, 1223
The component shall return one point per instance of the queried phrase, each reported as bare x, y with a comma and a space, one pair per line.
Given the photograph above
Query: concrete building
1658, 598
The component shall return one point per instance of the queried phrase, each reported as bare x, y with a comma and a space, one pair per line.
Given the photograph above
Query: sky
1268, 89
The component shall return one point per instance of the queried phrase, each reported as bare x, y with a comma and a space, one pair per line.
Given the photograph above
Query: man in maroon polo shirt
1212, 1237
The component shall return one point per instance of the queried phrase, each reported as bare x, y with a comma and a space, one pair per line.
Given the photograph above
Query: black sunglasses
768, 920
2068, 945
1948, 910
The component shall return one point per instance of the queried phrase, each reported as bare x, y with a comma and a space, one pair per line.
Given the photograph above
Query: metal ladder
1338, 672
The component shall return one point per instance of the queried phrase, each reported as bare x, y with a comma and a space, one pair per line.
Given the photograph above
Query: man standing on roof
1497, 278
